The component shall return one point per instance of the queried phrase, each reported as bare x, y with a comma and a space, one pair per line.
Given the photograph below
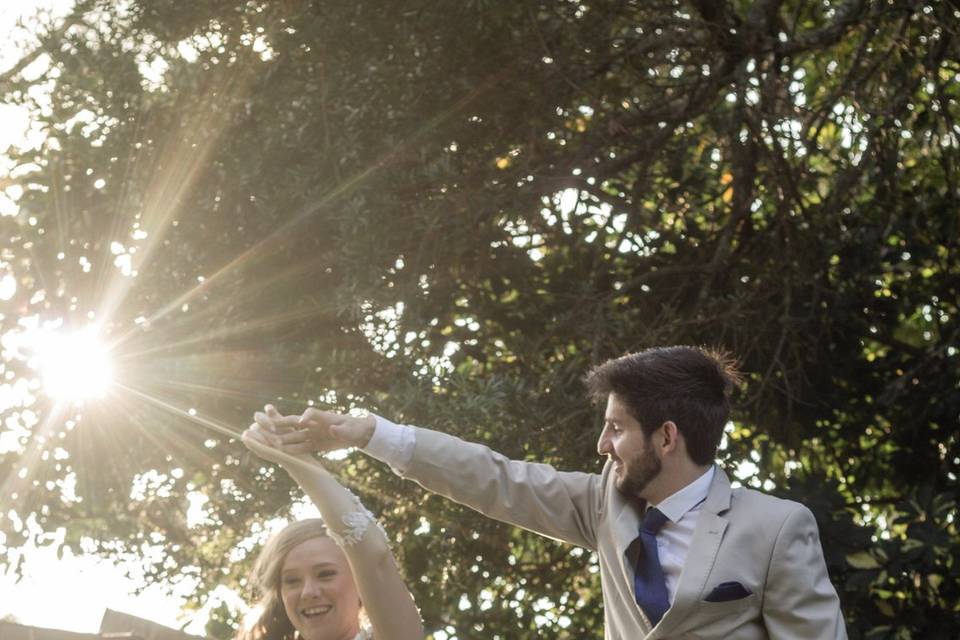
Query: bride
318, 579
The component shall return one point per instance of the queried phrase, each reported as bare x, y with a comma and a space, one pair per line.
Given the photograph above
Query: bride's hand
262, 438
262, 442
316, 431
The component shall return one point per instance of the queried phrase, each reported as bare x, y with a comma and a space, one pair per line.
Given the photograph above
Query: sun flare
74, 366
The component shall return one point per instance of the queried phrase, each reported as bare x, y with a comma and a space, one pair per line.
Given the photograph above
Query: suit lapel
702, 554
626, 529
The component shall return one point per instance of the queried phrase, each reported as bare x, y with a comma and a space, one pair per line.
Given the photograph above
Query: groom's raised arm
537, 497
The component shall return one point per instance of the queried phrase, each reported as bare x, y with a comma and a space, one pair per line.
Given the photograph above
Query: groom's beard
638, 473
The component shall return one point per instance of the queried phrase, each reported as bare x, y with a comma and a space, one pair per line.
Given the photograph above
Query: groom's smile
635, 463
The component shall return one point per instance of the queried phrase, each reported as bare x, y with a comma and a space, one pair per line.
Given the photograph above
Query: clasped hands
298, 436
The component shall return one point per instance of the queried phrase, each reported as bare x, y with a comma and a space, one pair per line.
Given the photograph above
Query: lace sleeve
353, 525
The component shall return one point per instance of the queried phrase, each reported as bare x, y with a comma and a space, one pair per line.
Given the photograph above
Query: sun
74, 366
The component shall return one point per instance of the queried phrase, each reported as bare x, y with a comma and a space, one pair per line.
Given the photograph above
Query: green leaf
862, 560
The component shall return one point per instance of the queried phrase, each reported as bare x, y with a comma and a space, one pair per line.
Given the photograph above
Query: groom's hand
317, 431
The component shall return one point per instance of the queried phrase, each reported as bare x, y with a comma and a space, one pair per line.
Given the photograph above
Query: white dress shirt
394, 444
673, 541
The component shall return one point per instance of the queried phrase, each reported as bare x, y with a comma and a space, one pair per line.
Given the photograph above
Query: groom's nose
603, 444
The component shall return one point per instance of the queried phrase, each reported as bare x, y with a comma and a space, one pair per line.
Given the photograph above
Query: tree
446, 213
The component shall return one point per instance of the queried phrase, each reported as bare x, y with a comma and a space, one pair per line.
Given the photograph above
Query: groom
680, 551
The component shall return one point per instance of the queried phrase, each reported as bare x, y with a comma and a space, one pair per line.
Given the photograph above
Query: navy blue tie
650, 585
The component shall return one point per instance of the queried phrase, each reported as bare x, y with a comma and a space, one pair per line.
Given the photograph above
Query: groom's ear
671, 436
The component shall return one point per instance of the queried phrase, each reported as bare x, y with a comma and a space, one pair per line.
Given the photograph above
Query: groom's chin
630, 486
623, 484
620, 477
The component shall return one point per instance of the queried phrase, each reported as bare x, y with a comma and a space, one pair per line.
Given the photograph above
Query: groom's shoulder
758, 520
773, 509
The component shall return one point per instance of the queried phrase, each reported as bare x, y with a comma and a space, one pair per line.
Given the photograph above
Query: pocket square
727, 591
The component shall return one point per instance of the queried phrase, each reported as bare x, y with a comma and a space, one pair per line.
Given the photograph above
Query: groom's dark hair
689, 386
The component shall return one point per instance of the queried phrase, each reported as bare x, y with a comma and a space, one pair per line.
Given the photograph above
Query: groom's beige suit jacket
768, 545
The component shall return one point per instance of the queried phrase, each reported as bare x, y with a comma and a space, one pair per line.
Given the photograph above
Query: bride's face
318, 591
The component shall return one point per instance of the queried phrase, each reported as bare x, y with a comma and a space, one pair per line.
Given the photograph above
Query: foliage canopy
447, 212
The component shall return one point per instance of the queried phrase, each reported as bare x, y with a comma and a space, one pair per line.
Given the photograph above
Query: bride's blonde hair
272, 622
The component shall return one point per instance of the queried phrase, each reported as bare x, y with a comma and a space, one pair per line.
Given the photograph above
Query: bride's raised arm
388, 603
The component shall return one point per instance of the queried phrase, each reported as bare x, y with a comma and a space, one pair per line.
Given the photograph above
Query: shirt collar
679, 503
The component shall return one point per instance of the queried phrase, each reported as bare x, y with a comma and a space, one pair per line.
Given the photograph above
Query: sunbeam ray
212, 391
256, 289
169, 440
276, 320
262, 247
305, 462
180, 164
15, 488
210, 424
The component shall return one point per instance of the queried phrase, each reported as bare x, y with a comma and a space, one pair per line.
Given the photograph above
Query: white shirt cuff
393, 444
